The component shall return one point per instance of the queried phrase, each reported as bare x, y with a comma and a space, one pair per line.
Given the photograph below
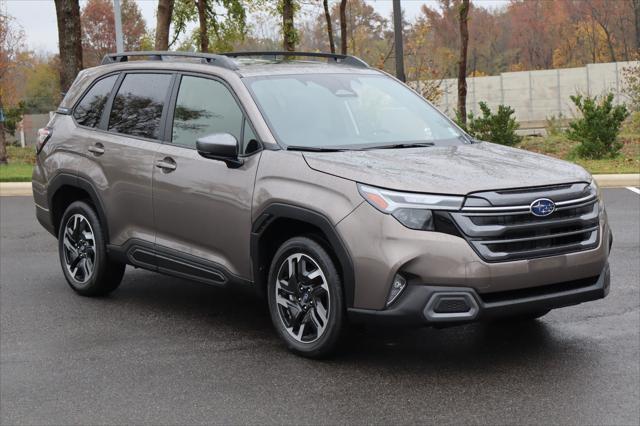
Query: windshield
348, 111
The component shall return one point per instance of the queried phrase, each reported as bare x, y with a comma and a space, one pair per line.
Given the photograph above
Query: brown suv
324, 183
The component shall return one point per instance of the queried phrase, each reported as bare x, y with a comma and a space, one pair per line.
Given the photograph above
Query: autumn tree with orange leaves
99, 31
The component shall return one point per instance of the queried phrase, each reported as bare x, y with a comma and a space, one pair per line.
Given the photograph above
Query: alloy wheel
79, 248
303, 298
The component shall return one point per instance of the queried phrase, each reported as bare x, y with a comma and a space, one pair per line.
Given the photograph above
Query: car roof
244, 67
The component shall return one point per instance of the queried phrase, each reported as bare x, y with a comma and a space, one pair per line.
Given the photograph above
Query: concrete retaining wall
537, 95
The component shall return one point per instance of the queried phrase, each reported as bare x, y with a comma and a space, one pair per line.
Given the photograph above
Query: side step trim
156, 258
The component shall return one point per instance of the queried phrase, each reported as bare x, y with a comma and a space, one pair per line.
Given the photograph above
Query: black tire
326, 341
106, 274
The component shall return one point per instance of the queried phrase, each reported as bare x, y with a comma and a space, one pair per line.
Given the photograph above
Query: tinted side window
203, 107
89, 110
137, 107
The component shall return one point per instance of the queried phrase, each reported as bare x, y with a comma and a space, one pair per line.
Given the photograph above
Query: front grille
499, 232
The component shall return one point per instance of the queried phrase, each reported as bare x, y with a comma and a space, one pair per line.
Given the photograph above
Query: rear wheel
83, 253
305, 298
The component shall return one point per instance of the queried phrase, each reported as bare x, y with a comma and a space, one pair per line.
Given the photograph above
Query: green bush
12, 117
598, 129
499, 127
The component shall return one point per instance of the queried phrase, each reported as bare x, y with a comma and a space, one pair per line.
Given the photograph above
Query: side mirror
220, 146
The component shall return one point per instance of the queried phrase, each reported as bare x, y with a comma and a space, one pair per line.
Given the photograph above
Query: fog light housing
397, 287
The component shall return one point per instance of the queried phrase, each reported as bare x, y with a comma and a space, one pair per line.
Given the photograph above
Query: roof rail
337, 58
209, 58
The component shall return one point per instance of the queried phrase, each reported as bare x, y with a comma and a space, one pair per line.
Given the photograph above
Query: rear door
121, 150
202, 208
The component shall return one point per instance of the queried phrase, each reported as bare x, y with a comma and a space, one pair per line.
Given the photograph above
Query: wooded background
524, 35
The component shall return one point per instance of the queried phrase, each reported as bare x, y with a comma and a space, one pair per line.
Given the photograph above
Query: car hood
459, 170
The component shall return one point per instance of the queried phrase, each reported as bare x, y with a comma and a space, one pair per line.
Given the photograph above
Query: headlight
410, 209
594, 188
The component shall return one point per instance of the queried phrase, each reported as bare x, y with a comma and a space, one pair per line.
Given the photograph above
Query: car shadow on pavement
236, 314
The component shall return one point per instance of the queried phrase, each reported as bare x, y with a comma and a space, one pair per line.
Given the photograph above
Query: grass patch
20, 167
559, 146
15, 172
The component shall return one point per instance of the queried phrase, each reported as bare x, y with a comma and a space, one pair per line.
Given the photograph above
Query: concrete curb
605, 181
618, 181
15, 189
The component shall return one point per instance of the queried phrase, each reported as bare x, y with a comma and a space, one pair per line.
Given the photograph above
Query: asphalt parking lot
166, 351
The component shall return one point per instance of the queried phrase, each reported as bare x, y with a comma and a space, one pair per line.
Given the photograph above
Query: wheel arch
66, 188
279, 222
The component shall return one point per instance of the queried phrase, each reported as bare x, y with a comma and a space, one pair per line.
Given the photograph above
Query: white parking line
633, 189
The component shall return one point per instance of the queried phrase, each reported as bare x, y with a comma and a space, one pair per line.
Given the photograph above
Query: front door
202, 208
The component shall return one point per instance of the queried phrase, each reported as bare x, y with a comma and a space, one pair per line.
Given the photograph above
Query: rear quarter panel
59, 155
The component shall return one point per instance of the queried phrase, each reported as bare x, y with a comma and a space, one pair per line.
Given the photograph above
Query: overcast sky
38, 17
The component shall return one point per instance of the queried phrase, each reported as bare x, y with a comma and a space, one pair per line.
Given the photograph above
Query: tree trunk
327, 16
398, 40
636, 12
202, 17
3, 147
612, 51
288, 29
343, 27
69, 40
163, 23
462, 64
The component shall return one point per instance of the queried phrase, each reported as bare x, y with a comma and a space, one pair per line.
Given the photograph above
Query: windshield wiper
313, 148
402, 145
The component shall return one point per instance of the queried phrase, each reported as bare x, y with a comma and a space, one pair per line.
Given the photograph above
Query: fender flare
288, 211
75, 181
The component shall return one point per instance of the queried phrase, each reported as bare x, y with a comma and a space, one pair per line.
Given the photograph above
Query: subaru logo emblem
542, 207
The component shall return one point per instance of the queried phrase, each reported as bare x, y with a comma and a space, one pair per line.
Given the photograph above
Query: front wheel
305, 297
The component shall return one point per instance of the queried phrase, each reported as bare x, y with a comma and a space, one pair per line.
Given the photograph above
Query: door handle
167, 164
97, 149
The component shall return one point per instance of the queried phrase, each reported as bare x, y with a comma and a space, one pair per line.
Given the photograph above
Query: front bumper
417, 306
380, 247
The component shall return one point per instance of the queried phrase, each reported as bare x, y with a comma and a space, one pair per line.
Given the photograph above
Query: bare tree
202, 18
288, 28
327, 15
343, 27
601, 13
69, 40
462, 63
163, 24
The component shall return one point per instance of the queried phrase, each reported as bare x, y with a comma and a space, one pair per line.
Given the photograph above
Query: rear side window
138, 105
89, 110
204, 106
